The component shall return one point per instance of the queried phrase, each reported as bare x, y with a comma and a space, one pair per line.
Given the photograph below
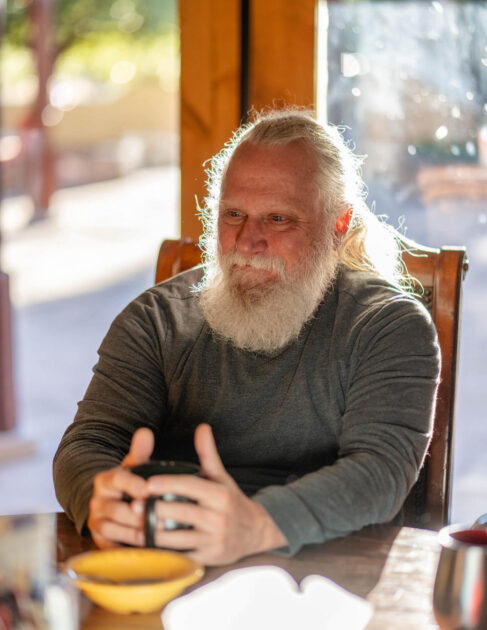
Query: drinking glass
459, 597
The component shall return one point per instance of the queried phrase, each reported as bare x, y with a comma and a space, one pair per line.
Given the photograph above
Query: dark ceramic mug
163, 467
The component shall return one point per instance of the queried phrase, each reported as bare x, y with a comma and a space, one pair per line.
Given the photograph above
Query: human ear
343, 221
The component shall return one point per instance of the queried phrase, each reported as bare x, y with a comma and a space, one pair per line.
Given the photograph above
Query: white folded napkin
265, 597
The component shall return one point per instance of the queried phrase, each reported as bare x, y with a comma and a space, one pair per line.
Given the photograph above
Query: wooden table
392, 567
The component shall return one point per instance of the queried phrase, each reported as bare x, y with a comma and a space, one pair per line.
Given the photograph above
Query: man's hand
112, 520
227, 525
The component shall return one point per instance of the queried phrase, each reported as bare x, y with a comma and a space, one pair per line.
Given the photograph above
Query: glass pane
408, 80
89, 151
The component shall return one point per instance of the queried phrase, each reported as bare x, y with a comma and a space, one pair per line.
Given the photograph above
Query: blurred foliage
75, 19
96, 56
90, 36
16, 63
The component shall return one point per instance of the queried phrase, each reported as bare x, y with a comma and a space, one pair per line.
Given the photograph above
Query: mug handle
150, 522
150, 518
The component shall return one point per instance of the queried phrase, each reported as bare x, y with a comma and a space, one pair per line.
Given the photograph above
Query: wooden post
7, 403
282, 53
210, 93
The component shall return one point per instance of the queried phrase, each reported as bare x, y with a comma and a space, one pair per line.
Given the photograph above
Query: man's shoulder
171, 300
367, 302
365, 287
361, 292
181, 286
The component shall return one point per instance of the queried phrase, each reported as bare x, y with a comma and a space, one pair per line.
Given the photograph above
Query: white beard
267, 316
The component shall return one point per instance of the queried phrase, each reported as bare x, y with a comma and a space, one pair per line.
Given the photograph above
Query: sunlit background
90, 182
90, 187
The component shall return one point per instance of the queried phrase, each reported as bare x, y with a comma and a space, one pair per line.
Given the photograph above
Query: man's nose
251, 238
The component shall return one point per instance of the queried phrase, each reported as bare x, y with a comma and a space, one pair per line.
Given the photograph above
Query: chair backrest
176, 256
439, 274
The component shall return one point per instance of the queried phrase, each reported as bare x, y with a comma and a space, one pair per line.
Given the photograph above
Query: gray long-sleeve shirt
328, 434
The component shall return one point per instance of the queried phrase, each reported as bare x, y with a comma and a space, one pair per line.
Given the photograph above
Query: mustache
275, 264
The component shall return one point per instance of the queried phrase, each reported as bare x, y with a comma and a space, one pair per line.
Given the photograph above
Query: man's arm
386, 428
127, 392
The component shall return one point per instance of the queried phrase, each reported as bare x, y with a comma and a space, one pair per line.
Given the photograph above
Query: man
301, 371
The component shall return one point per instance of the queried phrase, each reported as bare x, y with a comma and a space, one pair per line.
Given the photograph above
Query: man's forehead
267, 166
269, 202
271, 154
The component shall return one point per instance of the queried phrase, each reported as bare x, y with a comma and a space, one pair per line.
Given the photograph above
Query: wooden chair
439, 273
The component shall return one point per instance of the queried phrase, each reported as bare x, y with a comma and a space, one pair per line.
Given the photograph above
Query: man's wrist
269, 536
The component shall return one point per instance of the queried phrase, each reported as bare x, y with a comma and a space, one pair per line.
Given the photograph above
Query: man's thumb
141, 447
211, 464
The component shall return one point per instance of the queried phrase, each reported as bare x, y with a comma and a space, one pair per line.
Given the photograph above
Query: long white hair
369, 244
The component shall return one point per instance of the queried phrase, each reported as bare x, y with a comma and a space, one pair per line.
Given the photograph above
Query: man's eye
232, 216
279, 222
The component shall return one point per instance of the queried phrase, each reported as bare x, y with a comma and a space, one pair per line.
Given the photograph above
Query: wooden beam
282, 53
210, 93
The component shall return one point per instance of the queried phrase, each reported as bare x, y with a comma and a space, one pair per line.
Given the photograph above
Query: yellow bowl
172, 572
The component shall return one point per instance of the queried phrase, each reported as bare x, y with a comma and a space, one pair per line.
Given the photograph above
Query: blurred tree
50, 28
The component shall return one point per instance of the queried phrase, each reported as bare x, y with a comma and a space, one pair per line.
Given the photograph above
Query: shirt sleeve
127, 391
393, 369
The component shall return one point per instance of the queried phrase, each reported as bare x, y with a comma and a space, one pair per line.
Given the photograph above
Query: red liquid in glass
471, 536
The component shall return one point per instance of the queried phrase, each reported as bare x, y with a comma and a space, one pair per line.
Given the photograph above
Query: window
408, 80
